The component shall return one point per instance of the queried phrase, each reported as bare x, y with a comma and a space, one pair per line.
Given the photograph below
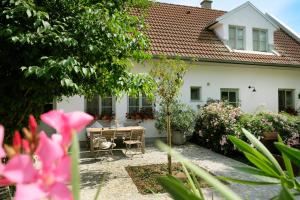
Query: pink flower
32, 124
66, 123
49, 180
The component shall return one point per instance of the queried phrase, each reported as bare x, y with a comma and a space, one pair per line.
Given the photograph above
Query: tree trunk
169, 139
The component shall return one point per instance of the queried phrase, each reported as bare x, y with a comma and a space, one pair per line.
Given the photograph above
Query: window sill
256, 52
196, 101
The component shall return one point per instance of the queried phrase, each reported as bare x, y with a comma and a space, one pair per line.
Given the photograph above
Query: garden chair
109, 136
135, 138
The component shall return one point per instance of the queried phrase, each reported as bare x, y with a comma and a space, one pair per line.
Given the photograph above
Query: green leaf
244, 147
263, 150
253, 171
28, 12
261, 164
285, 194
75, 167
247, 182
190, 181
226, 192
292, 153
287, 162
176, 188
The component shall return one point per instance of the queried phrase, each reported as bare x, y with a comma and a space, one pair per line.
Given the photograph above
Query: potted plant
182, 121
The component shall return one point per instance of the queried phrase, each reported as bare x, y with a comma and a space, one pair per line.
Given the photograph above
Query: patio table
121, 132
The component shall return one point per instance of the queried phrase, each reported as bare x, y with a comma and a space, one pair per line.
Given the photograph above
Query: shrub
183, 118
286, 125
218, 120
215, 122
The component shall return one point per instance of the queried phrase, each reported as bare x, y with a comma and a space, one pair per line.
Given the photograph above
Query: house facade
243, 56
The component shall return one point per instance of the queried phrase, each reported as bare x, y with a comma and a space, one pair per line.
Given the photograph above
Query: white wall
249, 18
211, 77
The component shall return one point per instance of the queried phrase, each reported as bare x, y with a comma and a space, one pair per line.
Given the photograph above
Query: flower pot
268, 140
270, 135
178, 138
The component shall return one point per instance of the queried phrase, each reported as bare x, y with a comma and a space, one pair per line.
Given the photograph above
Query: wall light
252, 87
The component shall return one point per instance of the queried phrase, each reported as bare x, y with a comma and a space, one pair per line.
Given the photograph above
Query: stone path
117, 184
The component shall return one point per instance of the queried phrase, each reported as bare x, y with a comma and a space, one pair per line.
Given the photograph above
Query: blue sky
288, 11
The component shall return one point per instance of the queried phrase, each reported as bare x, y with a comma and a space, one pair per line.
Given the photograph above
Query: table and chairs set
103, 139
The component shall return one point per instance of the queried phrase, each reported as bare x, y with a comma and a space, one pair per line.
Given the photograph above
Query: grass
145, 177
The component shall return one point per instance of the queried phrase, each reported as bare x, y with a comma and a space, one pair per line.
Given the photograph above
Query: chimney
206, 4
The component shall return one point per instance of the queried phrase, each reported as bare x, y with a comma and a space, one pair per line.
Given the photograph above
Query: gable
248, 17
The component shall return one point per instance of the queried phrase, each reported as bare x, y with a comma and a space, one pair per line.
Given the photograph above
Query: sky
287, 11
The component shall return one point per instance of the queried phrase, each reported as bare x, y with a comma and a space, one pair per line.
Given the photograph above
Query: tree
55, 48
168, 74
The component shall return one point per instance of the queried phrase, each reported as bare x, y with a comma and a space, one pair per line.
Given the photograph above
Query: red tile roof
176, 30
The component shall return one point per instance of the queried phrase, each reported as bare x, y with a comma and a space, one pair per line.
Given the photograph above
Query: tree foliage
55, 48
168, 74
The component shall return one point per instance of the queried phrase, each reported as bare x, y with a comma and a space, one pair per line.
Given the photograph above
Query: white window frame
236, 37
200, 95
228, 90
140, 104
285, 103
259, 46
100, 105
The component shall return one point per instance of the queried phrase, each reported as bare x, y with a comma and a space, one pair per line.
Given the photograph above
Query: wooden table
121, 132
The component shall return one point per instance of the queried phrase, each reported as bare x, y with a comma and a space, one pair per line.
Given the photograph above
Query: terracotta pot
270, 136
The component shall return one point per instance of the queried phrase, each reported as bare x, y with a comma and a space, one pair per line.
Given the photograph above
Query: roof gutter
228, 61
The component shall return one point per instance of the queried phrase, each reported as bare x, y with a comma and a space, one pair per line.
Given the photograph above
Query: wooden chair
135, 138
110, 136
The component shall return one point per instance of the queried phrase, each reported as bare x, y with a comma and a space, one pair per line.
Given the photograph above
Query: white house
244, 56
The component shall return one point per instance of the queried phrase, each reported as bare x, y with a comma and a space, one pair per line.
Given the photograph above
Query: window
230, 96
103, 106
107, 106
138, 104
260, 42
92, 106
195, 93
285, 99
237, 37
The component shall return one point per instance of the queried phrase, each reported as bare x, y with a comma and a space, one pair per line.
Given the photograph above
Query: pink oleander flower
66, 123
48, 176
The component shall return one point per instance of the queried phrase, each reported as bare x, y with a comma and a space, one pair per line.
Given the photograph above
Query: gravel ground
117, 185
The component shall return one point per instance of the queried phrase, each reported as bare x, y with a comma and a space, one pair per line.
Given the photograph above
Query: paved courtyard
117, 184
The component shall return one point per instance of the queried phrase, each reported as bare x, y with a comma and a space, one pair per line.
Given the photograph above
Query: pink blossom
66, 123
32, 124
48, 181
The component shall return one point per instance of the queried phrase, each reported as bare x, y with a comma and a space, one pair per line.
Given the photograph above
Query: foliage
267, 169
218, 120
183, 118
283, 123
55, 48
40, 166
215, 122
168, 74
193, 192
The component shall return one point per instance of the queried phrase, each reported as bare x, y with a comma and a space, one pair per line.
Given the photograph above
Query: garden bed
145, 177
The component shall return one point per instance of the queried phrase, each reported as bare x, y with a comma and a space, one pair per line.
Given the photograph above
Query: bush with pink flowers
215, 122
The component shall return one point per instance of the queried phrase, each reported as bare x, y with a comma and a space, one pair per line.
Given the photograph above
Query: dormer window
237, 37
260, 40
